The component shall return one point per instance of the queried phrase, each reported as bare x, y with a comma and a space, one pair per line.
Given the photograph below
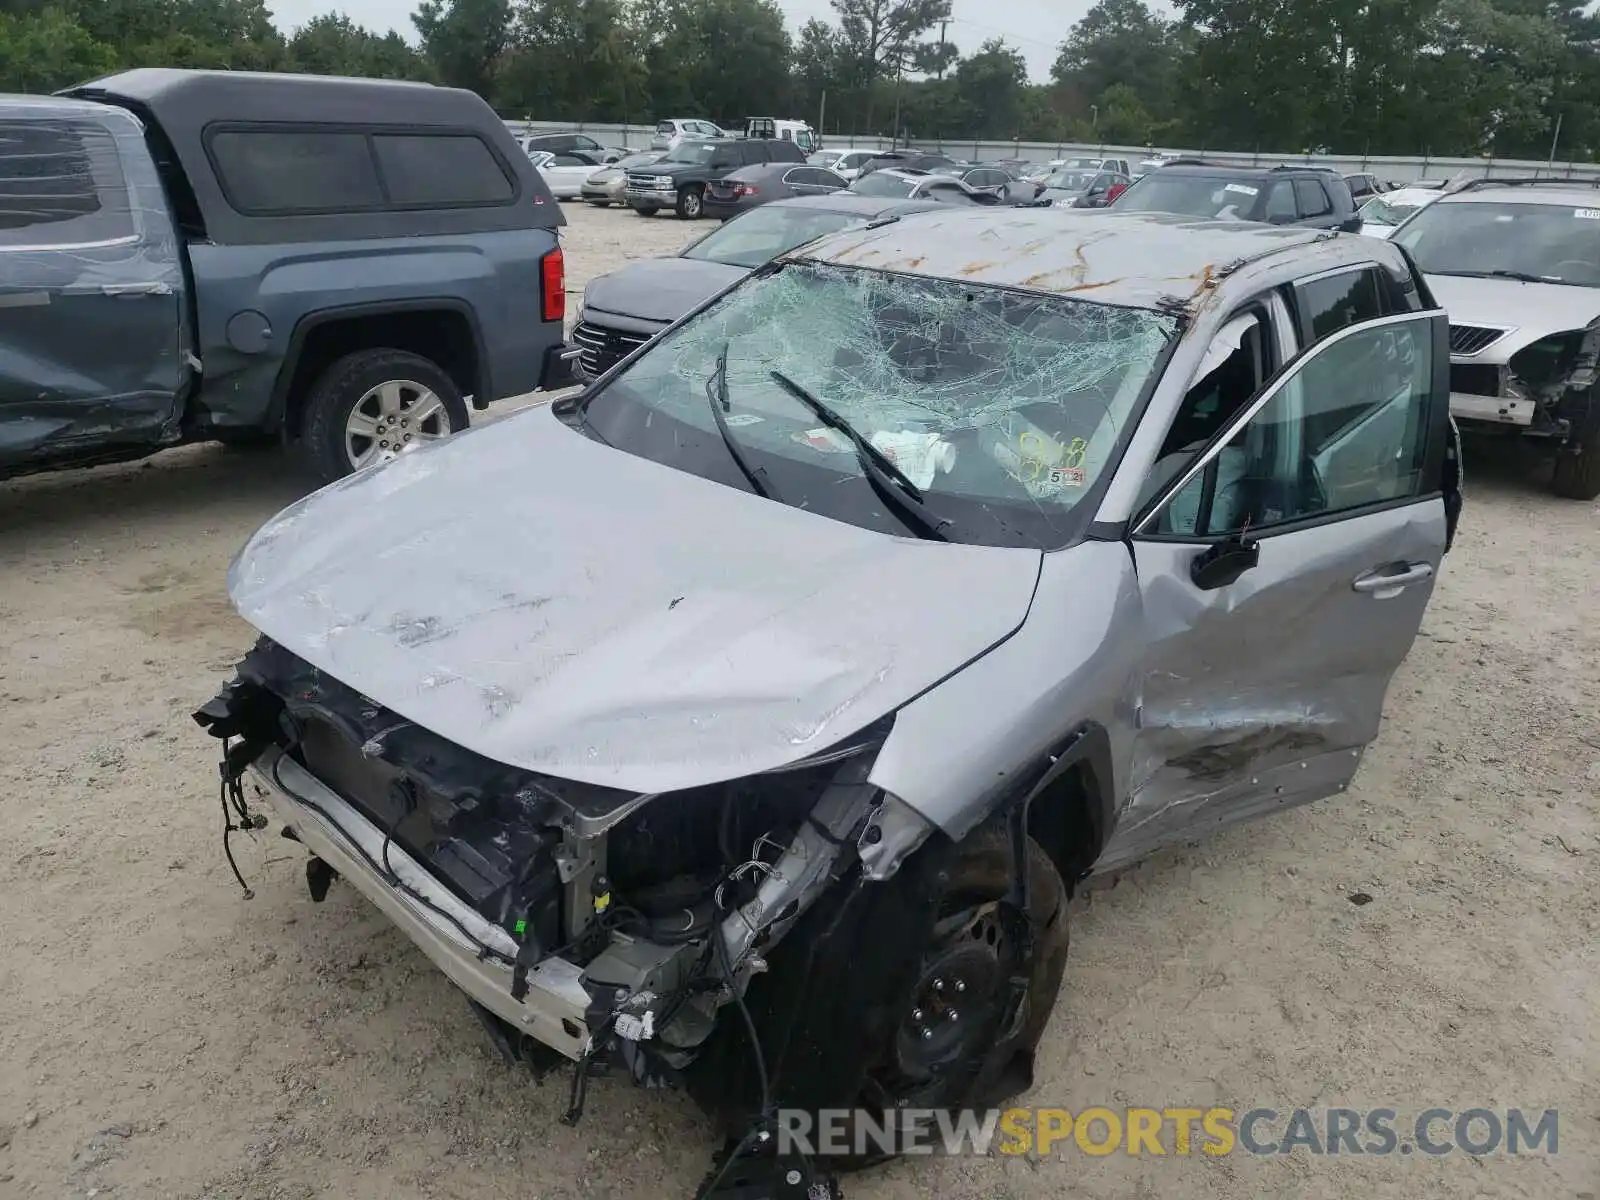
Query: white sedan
563, 173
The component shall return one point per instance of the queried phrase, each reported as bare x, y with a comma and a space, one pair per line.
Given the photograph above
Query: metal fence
1400, 169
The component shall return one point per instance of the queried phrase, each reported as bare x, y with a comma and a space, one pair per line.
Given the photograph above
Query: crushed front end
612, 927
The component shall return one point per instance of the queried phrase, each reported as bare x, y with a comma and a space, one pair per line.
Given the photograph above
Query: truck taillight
553, 286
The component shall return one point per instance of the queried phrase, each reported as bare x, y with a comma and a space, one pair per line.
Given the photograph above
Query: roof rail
1469, 185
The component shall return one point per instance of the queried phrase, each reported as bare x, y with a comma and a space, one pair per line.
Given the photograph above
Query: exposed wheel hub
958, 999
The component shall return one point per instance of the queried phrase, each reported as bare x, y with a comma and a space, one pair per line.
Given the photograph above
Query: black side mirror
1351, 224
1223, 562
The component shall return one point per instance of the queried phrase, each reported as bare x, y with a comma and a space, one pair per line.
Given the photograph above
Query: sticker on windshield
1065, 477
828, 441
739, 419
1587, 214
1244, 189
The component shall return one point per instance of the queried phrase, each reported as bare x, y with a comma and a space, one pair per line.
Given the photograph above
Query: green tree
335, 45
991, 86
880, 38
45, 50
1119, 42
464, 40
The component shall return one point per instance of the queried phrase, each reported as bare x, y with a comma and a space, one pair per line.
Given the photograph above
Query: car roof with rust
1141, 260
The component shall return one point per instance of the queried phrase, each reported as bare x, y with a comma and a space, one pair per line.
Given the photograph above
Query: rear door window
753, 151
444, 170
1312, 198
1280, 202
61, 184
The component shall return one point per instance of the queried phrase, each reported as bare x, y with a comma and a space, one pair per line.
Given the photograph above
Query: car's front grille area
601, 349
644, 182
1475, 379
1473, 339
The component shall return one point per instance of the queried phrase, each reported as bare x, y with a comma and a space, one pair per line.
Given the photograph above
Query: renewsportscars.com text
1174, 1131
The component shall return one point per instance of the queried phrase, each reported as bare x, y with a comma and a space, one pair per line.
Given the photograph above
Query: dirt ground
164, 1036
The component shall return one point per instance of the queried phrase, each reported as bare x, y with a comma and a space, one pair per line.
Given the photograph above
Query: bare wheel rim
392, 418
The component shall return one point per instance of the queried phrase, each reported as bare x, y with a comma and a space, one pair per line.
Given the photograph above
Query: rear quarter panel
493, 277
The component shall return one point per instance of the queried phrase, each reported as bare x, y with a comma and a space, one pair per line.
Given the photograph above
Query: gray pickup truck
343, 265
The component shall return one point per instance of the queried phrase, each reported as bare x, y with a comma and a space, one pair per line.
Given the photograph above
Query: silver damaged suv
1516, 262
827, 640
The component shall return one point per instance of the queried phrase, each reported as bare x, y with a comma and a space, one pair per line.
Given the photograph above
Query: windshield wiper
717, 394
888, 480
1519, 276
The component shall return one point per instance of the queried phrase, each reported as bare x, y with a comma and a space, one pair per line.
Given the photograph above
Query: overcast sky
1033, 26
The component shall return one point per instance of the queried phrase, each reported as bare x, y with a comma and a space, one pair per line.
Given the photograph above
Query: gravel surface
163, 1036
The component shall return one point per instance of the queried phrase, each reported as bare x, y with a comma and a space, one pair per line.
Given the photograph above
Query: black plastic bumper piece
558, 371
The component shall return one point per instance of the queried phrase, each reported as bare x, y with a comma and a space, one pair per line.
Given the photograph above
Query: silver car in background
817, 651
1517, 264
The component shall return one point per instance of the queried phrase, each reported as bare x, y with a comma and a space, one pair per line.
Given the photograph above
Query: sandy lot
163, 1036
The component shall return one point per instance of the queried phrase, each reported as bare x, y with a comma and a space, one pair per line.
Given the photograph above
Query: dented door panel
92, 341
1261, 695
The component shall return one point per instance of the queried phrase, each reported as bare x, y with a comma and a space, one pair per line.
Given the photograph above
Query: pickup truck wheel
691, 202
1577, 473
370, 406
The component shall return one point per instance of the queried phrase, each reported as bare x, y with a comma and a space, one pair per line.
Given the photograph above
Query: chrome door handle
1381, 585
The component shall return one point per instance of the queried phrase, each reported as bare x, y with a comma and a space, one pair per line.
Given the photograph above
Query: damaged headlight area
1553, 367
630, 922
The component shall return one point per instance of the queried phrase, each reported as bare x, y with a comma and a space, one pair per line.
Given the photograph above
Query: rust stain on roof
978, 267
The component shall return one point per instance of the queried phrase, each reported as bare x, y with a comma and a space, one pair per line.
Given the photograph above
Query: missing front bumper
475, 955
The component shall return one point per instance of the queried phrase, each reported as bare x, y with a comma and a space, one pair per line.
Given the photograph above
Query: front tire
647, 211
930, 990
692, 203
1577, 473
601, 203
373, 405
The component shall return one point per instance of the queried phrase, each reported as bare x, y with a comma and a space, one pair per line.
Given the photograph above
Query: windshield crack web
896, 353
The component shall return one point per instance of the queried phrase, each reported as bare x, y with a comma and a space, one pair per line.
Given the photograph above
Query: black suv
1272, 195
679, 180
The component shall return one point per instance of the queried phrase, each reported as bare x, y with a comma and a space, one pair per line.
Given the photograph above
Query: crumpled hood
1535, 309
570, 609
659, 289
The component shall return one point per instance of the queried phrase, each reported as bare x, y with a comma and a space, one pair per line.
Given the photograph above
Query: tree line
1508, 78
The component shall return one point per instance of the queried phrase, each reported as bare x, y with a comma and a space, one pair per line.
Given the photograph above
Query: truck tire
646, 210
369, 406
1577, 473
691, 202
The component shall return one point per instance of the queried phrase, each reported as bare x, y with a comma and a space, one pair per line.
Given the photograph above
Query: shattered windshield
1552, 243
1223, 197
762, 234
1002, 407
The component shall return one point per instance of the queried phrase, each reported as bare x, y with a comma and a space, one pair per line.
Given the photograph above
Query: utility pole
943, 25
822, 113
1552, 163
